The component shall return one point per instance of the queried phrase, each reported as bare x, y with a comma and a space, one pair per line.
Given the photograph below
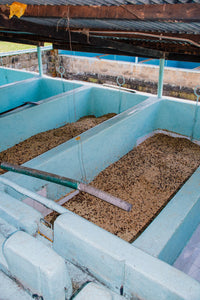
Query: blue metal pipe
160, 80
39, 53
69, 183
46, 202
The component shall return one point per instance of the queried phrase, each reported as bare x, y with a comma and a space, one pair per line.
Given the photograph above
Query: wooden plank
184, 57
19, 40
187, 12
188, 56
81, 43
104, 43
167, 12
95, 49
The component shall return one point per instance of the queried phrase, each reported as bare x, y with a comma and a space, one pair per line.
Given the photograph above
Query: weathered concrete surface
29, 61
172, 76
177, 82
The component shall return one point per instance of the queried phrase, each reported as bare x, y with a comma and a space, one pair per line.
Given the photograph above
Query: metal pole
161, 75
40, 174
69, 183
39, 53
46, 202
196, 92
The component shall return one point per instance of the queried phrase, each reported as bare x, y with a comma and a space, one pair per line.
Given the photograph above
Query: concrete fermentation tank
37, 261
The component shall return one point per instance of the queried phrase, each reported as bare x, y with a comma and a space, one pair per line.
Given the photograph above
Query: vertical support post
136, 60
161, 75
39, 53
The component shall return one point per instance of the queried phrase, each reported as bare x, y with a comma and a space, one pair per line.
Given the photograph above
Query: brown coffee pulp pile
147, 177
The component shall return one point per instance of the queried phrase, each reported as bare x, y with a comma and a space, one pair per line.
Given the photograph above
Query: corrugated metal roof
98, 2
127, 25
180, 30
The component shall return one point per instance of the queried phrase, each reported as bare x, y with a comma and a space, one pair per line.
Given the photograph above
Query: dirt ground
42, 142
147, 177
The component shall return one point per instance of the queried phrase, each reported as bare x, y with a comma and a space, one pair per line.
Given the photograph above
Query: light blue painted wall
97, 148
143, 60
167, 235
116, 263
35, 90
20, 125
58, 110
9, 75
93, 291
37, 267
177, 116
12, 290
107, 142
121, 101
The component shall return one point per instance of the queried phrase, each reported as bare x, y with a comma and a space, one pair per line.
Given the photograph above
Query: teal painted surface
101, 146
11, 290
50, 114
161, 76
103, 99
174, 226
121, 134
38, 174
93, 291
178, 117
107, 257
9, 75
19, 214
116, 263
37, 267
25, 212
55, 111
34, 90
39, 53
6, 228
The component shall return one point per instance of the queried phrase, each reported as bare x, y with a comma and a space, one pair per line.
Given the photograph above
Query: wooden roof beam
187, 12
21, 41
111, 48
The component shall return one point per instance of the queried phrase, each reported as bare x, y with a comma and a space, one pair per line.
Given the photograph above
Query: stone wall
177, 82
29, 61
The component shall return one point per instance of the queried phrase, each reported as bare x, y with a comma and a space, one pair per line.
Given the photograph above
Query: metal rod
67, 182
39, 53
105, 196
196, 92
194, 119
17, 107
161, 75
159, 36
118, 87
40, 174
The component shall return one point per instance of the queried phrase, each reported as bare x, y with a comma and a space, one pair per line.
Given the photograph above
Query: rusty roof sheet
127, 25
164, 27
98, 2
